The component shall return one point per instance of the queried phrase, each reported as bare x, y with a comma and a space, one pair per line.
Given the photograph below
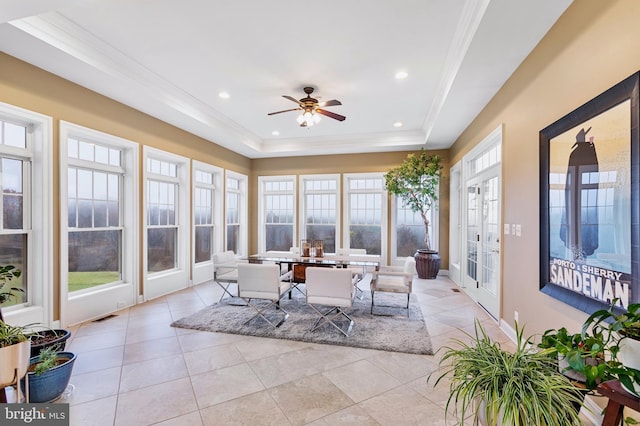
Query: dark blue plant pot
48, 386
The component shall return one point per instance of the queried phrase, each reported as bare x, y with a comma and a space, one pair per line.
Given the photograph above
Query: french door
482, 254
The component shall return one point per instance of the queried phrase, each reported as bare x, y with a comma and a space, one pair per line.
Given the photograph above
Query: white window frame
303, 180
39, 201
85, 305
262, 233
157, 284
243, 238
347, 201
203, 271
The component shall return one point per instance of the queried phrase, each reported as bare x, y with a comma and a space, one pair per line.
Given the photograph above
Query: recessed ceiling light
401, 74
224, 95
275, 133
397, 124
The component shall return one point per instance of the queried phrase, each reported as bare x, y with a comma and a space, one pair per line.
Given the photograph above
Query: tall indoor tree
416, 182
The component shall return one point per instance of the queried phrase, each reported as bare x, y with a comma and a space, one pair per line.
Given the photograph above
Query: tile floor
134, 369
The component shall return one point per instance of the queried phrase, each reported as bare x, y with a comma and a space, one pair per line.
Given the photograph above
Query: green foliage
521, 388
47, 360
617, 326
585, 353
415, 181
7, 274
11, 335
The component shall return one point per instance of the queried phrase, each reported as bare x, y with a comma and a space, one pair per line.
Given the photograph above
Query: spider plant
523, 387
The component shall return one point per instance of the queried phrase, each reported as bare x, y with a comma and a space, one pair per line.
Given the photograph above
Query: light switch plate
518, 230
506, 229
513, 228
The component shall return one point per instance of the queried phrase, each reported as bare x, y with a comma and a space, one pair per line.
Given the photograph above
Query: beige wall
347, 163
593, 46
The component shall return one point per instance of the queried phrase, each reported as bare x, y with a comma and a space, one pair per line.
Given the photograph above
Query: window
94, 199
277, 213
14, 229
99, 215
25, 226
168, 232
410, 230
236, 213
206, 210
320, 209
162, 221
365, 212
206, 219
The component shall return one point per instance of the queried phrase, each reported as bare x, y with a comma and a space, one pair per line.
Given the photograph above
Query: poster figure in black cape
579, 229
590, 208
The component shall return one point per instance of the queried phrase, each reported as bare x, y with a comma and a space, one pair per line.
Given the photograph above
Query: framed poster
589, 213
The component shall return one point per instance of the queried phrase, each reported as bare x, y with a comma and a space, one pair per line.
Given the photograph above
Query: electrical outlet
515, 316
518, 230
122, 304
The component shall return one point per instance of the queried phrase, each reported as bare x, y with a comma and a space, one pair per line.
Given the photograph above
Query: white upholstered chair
330, 287
357, 272
262, 281
225, 271
393, 280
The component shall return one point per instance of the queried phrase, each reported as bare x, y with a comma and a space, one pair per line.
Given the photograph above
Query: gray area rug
390, 332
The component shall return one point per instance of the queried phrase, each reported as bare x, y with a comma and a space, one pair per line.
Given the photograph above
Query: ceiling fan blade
332, 102
286, 110
331, 114
291, 99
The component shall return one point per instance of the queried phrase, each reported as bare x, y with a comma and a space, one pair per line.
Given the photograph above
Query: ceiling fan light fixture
300, 119
316, 118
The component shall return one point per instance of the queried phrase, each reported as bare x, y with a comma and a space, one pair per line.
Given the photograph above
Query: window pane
93, 258
15, 135
410, 231
12, 193
204, 239
102, 154
85, 219
327, 233
161, 243
279, 237
233, 235
86, 151
13, 251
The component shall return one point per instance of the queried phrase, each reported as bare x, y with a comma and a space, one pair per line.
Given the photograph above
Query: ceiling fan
311, 108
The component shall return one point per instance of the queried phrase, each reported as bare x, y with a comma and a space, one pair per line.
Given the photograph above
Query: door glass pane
490, 226
472, 232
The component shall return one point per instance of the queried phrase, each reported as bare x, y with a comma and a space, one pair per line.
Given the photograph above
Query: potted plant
46, 338
415, 181
48, 375
581, 357
623, 328
14, 355
523, 387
